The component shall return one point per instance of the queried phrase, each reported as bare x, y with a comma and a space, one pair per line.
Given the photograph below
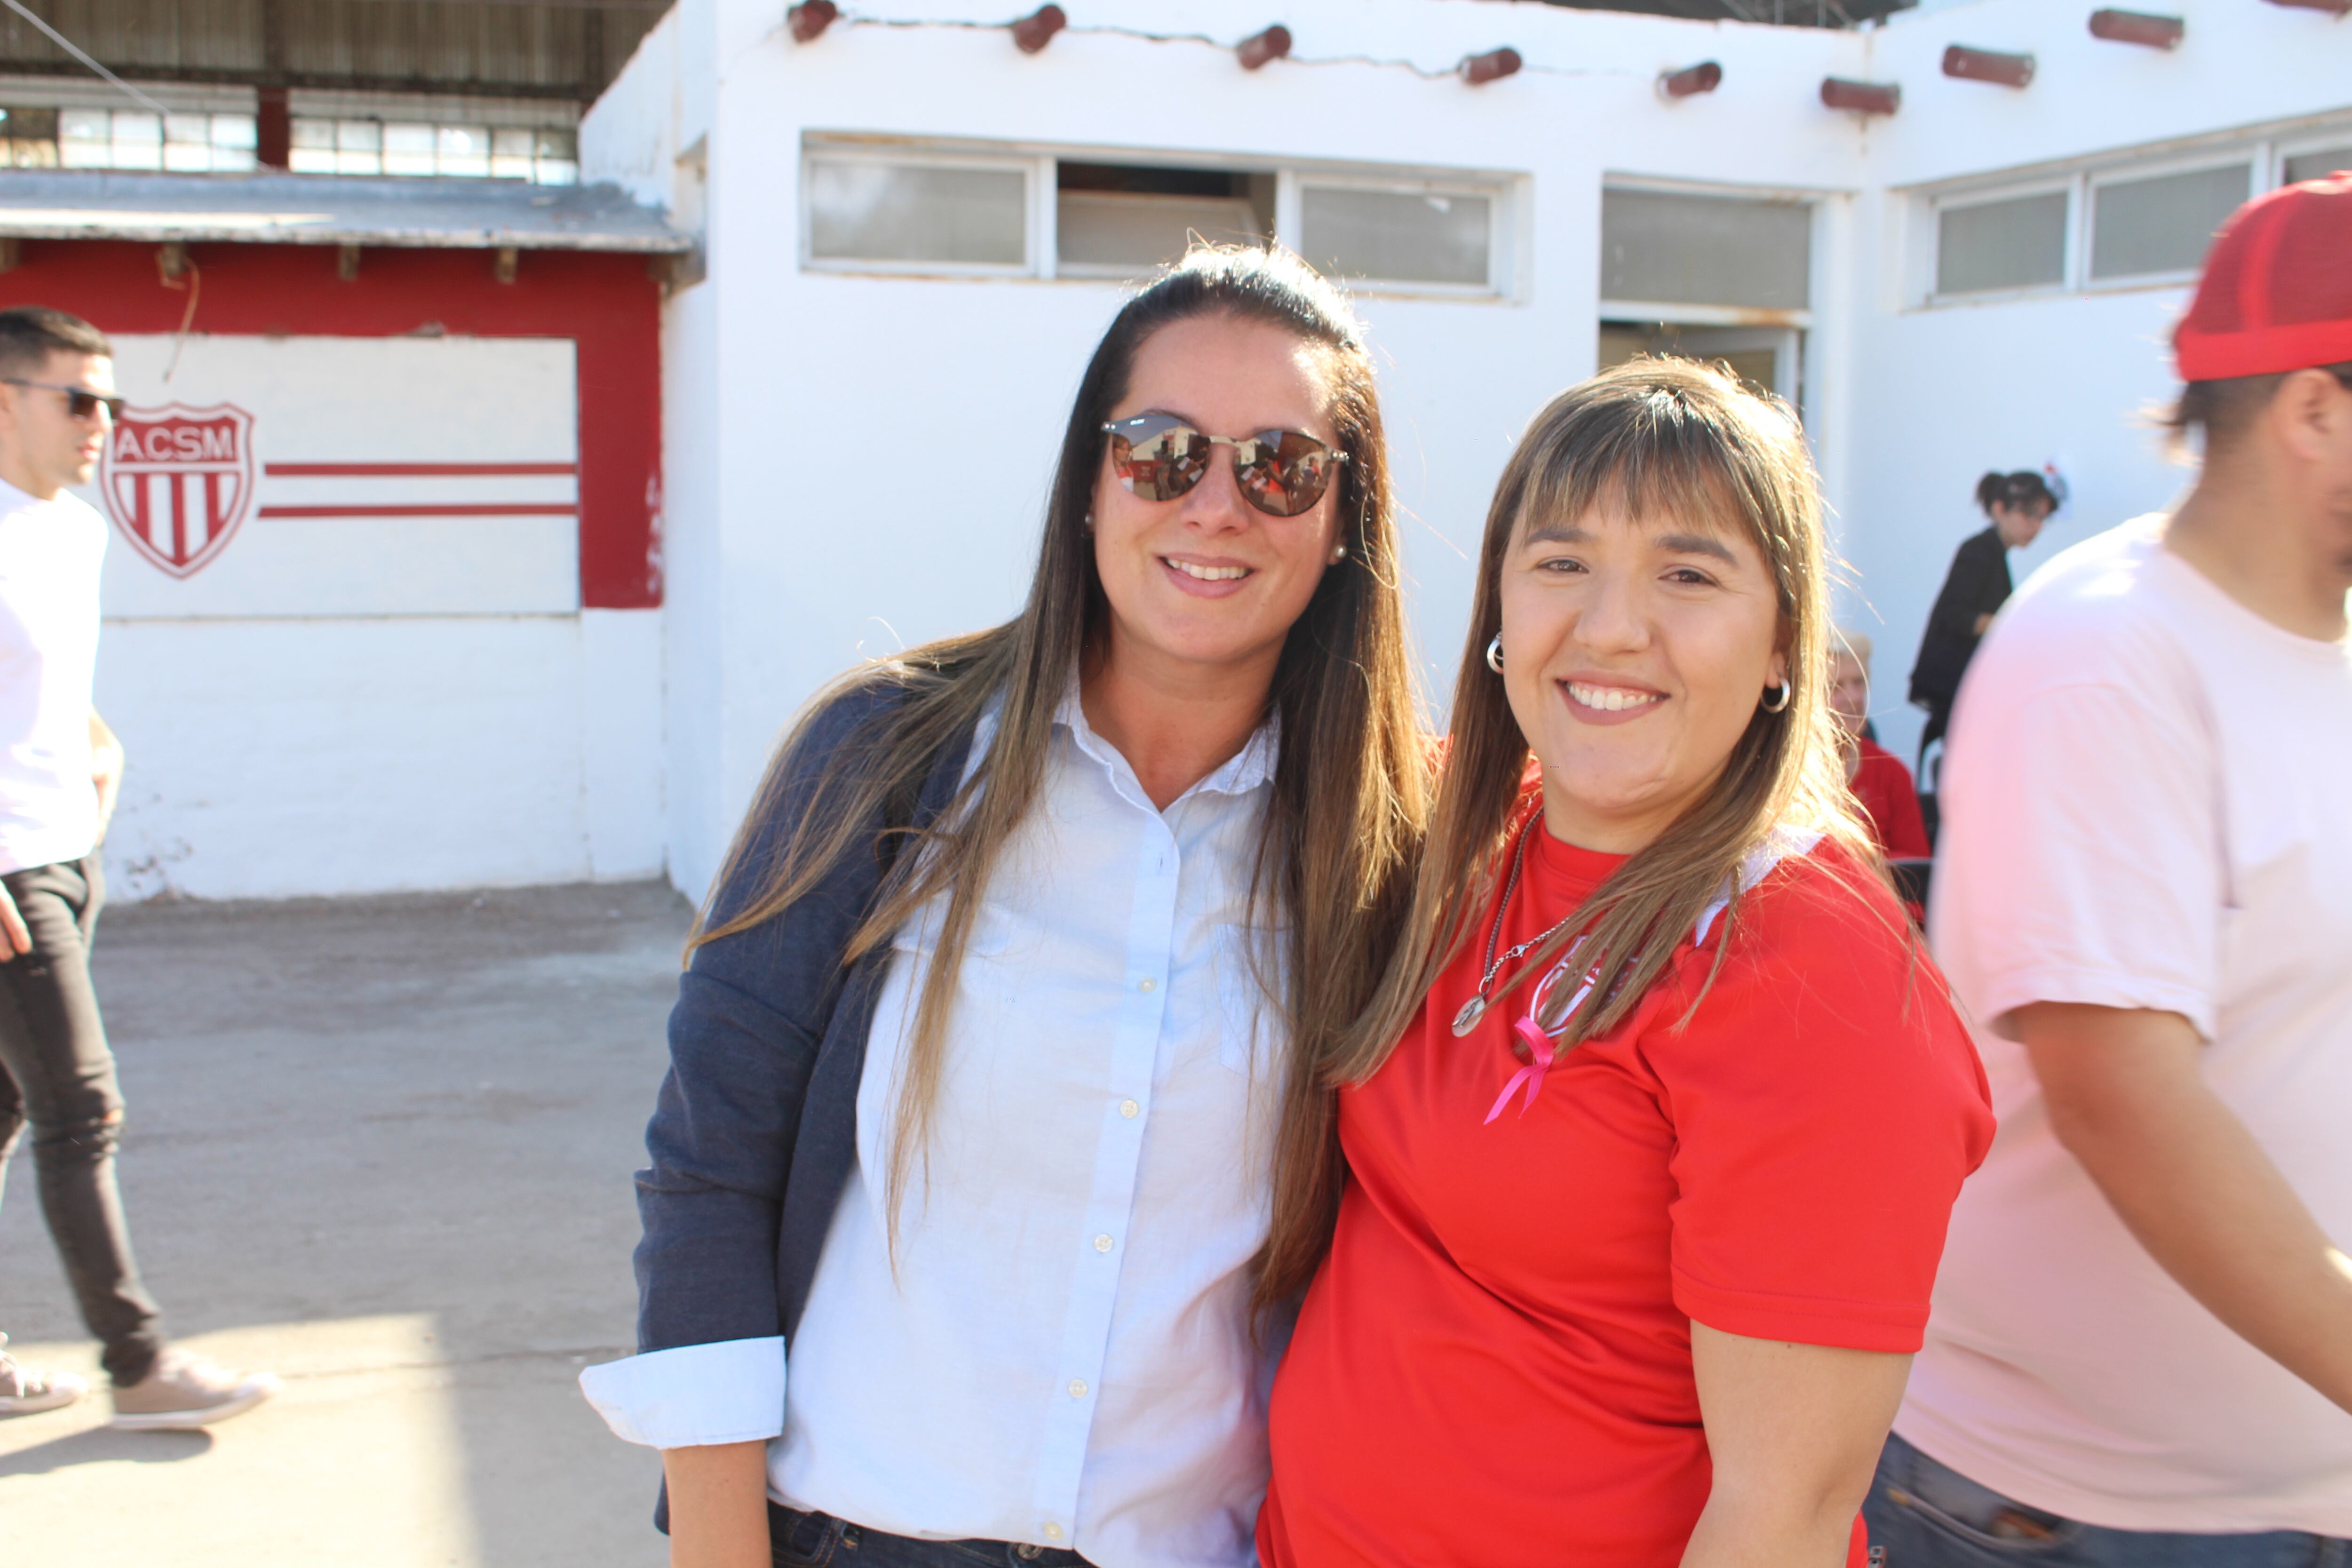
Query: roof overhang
312, 209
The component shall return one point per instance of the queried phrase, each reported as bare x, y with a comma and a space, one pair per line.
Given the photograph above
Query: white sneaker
182, 1392
24, 1391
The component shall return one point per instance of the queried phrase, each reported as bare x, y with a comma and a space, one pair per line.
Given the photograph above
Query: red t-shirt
1883, 786
1494, 1365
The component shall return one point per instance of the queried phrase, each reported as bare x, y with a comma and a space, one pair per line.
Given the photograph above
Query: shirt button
1053, 1532
1078, 1388
1147, 984
1129, 1110
1103, 1244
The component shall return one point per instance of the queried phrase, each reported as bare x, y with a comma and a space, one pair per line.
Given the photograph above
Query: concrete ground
379, 1147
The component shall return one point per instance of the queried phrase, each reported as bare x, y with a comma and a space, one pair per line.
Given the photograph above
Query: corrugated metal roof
303, 209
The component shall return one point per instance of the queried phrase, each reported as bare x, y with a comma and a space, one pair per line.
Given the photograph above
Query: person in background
60, 768
1976, 587
1877, 776
965, 1149
1650, 1137
2141, 1349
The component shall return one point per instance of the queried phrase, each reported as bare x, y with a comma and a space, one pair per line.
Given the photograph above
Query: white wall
346, 703
789, 391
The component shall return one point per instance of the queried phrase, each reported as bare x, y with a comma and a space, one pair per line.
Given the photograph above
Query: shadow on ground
383, 1146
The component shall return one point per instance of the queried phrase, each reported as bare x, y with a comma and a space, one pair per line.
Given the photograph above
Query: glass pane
137, 129
507, 141
182, 159
233, 131
557, 171
1705, 250
35, 154
2164, 224
359, 136
83, 125
359, 163
1114, 230
1397, 237
192, 130
904, 211
141, 154
310, 160
413, 164
565, 144
2317, 166
311, 134
462, 141
411, 140
2017, 244
233, 161
506, 168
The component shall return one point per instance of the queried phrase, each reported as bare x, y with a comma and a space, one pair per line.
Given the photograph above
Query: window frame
1815, 202
2273, 173
2259, 172
1036, 242
2073, 240
1290, 226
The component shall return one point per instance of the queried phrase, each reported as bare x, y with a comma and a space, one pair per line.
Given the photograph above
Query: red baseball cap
2277, 290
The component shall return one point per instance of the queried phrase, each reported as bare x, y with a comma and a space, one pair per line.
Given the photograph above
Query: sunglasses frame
1263, 459
77, 397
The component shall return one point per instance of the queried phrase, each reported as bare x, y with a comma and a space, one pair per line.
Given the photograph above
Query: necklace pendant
1467, 1019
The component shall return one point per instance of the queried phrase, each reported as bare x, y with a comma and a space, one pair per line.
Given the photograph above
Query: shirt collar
1243, 772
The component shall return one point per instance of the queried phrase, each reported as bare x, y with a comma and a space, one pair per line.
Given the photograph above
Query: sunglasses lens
85, 405
1282, 473
1161, 465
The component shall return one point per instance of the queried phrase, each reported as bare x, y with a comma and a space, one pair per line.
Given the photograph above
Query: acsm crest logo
177, 481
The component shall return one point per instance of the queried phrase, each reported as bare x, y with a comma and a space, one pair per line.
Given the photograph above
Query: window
133, 139
2163, 222
546, 155
29, 138
2018, 243
1675, 249
973, 209
2300, 166
1121, 221
1421, 237
964, 216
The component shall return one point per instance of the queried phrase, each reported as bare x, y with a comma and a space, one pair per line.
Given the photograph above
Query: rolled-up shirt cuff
695, 1396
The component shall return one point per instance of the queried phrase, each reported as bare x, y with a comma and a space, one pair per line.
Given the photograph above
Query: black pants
56, 1077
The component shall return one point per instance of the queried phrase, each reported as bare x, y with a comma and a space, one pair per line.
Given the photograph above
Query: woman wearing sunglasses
1655, 1128
965, 1149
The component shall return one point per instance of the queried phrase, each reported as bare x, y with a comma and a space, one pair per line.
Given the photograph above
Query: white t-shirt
2147, 804
49, 556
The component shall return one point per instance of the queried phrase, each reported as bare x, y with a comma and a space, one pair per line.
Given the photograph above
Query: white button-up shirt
1062, 1354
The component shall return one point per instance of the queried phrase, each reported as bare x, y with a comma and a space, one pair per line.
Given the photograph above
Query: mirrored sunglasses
1281, 472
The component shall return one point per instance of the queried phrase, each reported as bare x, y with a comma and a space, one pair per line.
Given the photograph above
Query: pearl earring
1338, 553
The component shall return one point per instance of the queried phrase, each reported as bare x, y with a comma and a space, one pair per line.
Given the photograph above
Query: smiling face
1206, 585
1636, 650
43, 447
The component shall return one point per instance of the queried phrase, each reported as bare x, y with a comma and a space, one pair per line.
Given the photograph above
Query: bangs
1661, 447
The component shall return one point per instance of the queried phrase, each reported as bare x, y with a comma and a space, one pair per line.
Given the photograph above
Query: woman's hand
1794, 1433
719, 1505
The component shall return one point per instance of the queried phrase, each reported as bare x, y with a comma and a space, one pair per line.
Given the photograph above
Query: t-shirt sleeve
1827, 1104
2081, 861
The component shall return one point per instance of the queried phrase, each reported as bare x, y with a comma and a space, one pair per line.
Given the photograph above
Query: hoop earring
1786, 691
1494, 654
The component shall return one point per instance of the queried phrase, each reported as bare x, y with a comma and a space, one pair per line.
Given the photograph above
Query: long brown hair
1657, 438
1349, 797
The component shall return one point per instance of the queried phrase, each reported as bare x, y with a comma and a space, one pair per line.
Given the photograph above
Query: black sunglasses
1281, 472
80, 401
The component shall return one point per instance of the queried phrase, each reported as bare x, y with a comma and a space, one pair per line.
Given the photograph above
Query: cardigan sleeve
751, 1014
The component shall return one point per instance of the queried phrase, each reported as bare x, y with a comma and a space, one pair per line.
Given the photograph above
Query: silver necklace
1475, 1008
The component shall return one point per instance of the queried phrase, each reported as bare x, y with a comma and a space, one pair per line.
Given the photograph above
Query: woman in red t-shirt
1879, 780
1647, 1160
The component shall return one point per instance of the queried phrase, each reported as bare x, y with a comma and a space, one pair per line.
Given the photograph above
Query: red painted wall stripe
493, 509
410, 470
606, 304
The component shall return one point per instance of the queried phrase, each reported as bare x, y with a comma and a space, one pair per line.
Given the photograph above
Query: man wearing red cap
2141, 1350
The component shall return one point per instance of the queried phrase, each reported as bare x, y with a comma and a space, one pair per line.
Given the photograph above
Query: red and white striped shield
178, 481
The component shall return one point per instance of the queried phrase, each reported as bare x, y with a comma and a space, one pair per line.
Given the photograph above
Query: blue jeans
1929, 1515
820, 1541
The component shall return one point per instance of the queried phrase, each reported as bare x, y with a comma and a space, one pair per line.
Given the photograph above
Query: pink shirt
2147, 804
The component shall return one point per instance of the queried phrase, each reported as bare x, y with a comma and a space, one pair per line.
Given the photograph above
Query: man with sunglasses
59, 769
